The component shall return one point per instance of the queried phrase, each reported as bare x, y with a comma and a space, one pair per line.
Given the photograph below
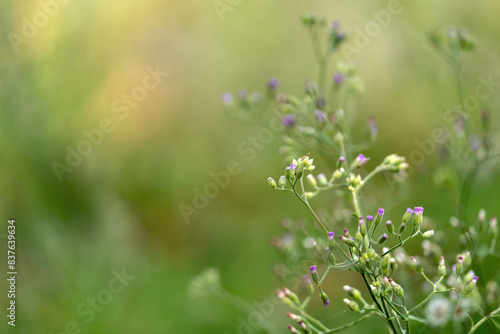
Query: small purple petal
273, 83
326, 303
454, 267
341, 159
313, 269
369, 218
331, 235
381, 212
338, 78
227, 98
292, 166
288, 120
320, 116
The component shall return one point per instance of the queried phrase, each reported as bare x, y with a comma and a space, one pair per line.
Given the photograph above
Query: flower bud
402, 228
418, 216
348, 241
493, 225
314, 274
362, 226
459, 266
352, 305
369, 222
294, 316
303, 325
322, 180
331, 243
352, 292
273, 83
407, 216
293, 297
417, 265
331, 259
470, 287
292, 329
390, 227
378, 217
382, 239
271, 182
396, 287
282, 181
309, 194
428, 234
324, 298
312, 181
441, 267
336, 175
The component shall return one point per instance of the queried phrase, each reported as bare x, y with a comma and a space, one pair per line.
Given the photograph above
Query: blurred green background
118, 209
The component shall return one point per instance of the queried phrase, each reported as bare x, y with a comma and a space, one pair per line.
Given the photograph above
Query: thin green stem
428, 297
480, 322
338, 329
388, 317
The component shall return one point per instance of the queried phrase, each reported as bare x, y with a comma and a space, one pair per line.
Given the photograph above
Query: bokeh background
119, 207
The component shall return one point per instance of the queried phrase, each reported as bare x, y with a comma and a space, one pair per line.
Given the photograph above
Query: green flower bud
336, 175
390, 227
382, 239
314, 274
324, 298
470, 287
292, 296
352, 305
416, 264
271, 182
428, 234
396, 287
441, 267
310, 195
312, 181
282, 181
402, 228
322, 180
362, 226
378, 217
352, 292
331, 259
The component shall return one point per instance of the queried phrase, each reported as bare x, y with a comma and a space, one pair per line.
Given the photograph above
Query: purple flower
410, 211
288, 120
369, 218
381, 212
362, 160
312, 269
320, 116
338, 78
293, 166
341, 159
331, 235
418, 210
326, 302
474, 280
273, 83
227, 98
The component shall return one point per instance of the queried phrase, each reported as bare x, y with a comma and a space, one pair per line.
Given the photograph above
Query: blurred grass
119, 207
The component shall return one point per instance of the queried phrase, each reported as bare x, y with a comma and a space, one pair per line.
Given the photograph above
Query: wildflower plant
370, 243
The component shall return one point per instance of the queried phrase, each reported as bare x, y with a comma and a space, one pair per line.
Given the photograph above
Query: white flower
438, 312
